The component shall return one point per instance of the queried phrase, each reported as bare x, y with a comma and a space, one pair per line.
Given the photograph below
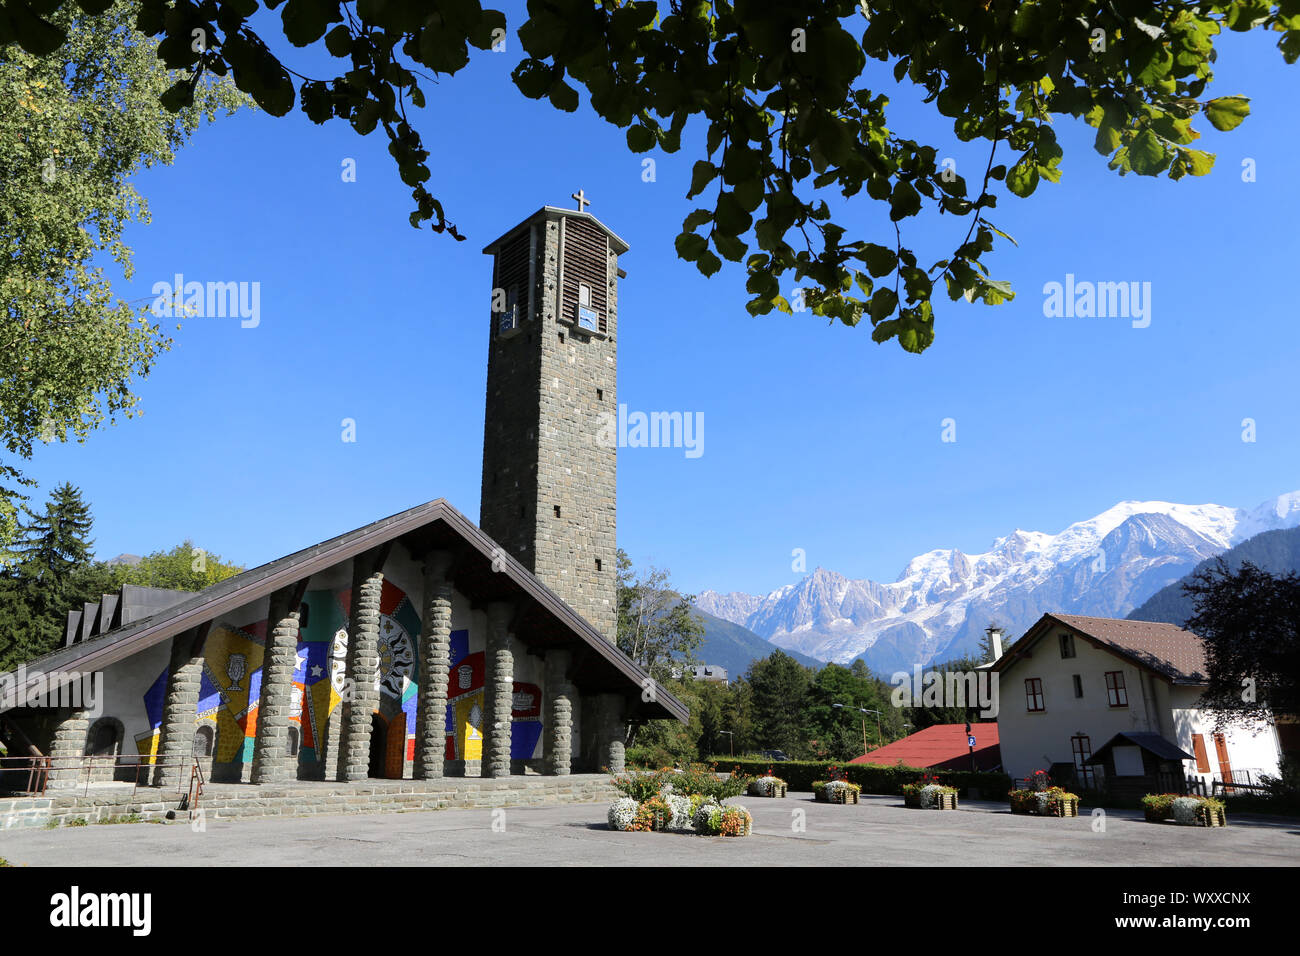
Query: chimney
995, 640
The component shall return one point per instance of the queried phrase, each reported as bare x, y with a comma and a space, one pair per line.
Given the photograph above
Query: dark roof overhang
541, 618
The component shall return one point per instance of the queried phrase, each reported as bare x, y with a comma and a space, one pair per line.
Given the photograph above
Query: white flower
681, 807
765, 786
930, 795
702, 821
621, 813
1186, 809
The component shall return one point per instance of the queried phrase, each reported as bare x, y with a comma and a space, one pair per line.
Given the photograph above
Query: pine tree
51, 574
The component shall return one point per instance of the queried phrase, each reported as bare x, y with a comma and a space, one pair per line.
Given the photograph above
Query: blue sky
815, 437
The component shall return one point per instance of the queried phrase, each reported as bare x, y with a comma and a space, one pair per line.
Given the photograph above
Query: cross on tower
582, 200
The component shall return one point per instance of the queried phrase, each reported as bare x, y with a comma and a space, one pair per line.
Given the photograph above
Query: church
416, 647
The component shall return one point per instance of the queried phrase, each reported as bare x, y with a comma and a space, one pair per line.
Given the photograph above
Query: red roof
941, 747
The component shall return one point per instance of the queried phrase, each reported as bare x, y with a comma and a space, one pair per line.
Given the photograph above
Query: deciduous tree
793, 98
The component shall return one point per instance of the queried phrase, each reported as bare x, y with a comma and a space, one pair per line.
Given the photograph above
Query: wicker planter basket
946, 801
837, 796
1068, 807
912, 800
758, 790
1209, 817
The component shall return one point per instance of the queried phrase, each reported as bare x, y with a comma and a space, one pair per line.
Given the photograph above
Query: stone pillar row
345, 749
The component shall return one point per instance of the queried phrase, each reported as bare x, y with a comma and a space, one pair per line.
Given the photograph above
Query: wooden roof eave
111, 647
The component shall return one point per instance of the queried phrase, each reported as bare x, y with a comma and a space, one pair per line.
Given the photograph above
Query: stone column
361, 691
435, 664
272, 762
68, 749
560, 693
498, 691
176, 741
612, 732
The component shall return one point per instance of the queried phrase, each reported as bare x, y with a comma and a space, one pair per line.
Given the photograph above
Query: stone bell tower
549, 454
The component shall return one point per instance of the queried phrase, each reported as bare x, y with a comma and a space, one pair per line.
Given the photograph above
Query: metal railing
84, 770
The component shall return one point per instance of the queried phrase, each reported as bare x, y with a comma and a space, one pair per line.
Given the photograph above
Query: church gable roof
481, 570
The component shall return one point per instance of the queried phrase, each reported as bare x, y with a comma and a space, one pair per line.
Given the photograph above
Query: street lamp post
864, 711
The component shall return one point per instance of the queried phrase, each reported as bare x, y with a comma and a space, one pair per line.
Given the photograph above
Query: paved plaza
795, 831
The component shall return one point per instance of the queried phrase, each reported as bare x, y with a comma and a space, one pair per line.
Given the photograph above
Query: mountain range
1276, 552
938, 607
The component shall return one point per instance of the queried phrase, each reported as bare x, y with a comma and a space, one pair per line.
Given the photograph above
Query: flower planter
839, 795
1058, 803
912, 800
767, 788
1066, 807
1154, 815
945, 801
1210, 817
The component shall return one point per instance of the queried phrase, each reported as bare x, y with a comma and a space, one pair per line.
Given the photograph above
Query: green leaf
904, 202
640, 139
564, 97
339, 41
695, 219
1227, 112
702, 173
1198, 163
1147, 154
708, 263
690, 246
1022, 178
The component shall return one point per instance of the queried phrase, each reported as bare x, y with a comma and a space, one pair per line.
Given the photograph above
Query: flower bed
768, 786
651, 802
1189, 811
836, 791
713, 819
1052, 802
929, 794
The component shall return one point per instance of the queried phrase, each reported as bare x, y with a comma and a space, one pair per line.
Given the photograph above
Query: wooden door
1221, 751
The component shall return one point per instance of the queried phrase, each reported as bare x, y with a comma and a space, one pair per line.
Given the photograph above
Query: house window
1078, 686
1116, 695
600, 394
598, 564
1202, 755
1067, 645
557, 511
1034, 695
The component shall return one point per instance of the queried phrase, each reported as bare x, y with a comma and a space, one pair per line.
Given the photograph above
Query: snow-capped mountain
943, 600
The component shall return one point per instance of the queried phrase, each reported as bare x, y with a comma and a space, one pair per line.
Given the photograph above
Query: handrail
83, 767
196, 788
